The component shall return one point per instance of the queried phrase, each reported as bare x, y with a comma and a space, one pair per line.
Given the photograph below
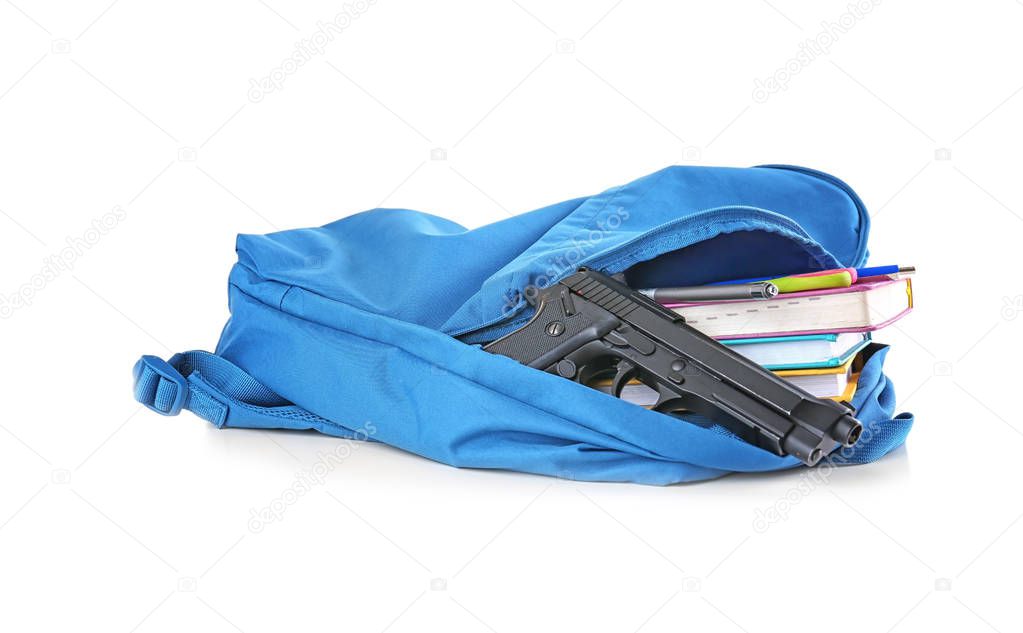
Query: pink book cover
865, 284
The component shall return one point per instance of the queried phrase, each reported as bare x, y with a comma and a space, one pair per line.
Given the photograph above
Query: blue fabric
370, 323
221, 393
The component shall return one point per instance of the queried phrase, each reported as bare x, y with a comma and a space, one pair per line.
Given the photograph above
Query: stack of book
812, 338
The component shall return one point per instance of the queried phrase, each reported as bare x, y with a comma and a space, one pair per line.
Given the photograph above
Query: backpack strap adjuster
159, 386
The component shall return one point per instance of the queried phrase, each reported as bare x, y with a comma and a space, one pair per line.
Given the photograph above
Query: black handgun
590, 325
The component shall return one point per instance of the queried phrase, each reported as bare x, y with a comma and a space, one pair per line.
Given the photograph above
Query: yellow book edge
818, 371
850, 389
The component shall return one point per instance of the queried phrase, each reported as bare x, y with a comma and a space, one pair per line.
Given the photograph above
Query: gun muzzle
810, 447
848, 431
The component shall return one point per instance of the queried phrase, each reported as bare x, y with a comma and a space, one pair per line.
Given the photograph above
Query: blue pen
876, 271
870, 271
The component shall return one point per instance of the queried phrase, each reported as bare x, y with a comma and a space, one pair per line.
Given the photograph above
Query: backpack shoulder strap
220, 392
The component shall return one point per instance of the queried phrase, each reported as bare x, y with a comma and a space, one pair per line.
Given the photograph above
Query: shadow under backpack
370, 327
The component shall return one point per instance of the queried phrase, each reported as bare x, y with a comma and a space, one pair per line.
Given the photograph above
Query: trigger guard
626, 372
592, 367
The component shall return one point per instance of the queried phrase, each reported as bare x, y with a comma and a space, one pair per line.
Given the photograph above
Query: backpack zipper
663, 239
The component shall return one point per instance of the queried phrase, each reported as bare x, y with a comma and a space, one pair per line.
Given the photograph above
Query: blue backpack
370, 327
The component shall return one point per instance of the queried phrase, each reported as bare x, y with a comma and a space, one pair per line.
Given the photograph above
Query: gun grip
560, 326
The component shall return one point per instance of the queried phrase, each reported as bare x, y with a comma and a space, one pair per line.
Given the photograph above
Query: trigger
668, 401
626, 372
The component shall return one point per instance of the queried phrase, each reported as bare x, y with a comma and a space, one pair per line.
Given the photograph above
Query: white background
113, 518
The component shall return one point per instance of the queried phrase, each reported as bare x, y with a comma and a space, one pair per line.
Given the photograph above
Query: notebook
862, 307
823, 382
802, 351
